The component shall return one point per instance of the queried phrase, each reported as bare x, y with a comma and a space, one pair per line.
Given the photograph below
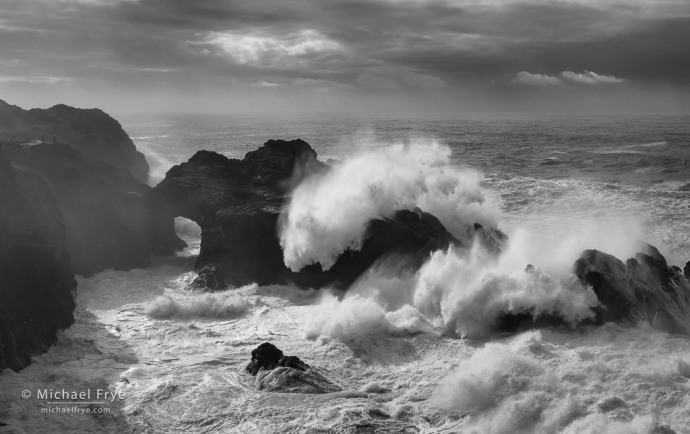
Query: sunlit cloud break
34, 80
588, 77
525, 77
269, 50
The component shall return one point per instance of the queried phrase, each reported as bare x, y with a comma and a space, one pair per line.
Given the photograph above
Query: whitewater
412, 353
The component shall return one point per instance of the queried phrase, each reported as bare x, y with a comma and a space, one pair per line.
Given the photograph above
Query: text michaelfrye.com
63, 401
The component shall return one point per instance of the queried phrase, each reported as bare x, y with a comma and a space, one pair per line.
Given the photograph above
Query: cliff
37, 282
107, 222
91, 131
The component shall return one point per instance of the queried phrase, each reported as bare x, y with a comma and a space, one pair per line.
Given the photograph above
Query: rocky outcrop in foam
286, 374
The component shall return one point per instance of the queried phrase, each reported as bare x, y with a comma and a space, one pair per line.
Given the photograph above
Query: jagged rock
686, 270
265, 356
293, 362
108, 224
493, 240
650, 250
36, 282
642, 289
91, 131
210, 277
285, 374
237, 203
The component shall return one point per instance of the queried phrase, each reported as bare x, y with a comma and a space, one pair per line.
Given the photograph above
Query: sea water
413, 354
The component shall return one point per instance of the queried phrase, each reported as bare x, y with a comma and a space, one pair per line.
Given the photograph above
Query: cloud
34, 80
318, 83
421, 80
589, 77
271, 50
461, 46
266, 84
525, 77
376, 81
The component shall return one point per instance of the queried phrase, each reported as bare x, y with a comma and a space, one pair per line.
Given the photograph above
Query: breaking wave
222, 305
328, 214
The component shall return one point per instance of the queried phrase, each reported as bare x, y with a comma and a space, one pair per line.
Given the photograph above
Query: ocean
555, 183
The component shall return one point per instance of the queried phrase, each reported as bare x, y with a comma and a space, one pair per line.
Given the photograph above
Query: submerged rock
107, 222
290, 380
238, 203
36, 282
642, 289
286, 374
91, 131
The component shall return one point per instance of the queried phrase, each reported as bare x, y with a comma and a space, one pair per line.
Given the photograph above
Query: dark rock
286, 374
686, 270
650, 250
108, 224
91, 131
266, 356
293, 362
642, 289
289, 380
493, 240
237, 203
36, 293
685, 187
610, 403
210, 277
663, 429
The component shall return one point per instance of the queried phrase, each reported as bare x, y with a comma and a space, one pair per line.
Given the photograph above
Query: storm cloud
149, 54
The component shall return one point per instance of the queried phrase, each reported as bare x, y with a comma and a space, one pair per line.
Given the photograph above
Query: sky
312, 56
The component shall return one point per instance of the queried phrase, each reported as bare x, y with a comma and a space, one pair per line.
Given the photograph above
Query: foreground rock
36, 280
93, 132
643, 288
107, 222
237, 203
285, 374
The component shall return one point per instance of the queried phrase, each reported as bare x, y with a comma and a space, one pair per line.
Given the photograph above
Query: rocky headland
91, 131
108, 224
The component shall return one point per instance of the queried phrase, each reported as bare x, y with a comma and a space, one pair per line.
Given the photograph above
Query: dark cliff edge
36, 280
91, 131
238, 203
108, 224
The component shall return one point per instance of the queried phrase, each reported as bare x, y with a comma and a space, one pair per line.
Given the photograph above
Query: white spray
329, 214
